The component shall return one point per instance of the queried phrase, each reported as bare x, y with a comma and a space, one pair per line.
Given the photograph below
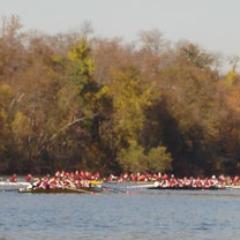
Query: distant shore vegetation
76, 101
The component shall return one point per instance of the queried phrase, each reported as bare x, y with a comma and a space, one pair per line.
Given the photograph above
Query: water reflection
142, 214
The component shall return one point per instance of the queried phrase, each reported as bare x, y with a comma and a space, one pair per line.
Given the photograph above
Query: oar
114, 189
125, 188
156, 184
78, 190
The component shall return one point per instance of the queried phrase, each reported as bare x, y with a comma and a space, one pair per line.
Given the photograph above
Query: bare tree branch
68, 125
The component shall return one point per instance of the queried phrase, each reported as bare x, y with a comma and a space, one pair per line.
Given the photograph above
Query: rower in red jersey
165, 177
13, 178
28, 178
133, 177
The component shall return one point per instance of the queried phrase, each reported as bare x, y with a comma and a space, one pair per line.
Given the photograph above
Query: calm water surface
147, 214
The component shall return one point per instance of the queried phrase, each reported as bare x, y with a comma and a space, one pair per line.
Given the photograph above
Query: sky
213, 24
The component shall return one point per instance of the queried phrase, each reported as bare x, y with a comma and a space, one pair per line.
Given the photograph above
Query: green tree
132, 158
159, 159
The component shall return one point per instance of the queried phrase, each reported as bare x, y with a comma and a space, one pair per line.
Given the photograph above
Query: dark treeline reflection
71, 101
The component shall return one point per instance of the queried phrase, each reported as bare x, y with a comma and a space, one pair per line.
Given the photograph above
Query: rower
28, 178
13, 178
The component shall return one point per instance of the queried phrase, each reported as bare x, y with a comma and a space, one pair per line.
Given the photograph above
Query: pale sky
211, 23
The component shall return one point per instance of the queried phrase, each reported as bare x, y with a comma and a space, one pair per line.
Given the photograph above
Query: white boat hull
5, 185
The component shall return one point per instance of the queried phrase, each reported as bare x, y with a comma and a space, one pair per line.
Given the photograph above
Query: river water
146, 214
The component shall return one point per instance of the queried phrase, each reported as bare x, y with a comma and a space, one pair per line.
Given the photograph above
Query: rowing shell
5, 185
232, 187
61, 190
188, 188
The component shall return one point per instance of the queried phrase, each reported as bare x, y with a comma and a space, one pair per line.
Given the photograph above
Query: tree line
76, 101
